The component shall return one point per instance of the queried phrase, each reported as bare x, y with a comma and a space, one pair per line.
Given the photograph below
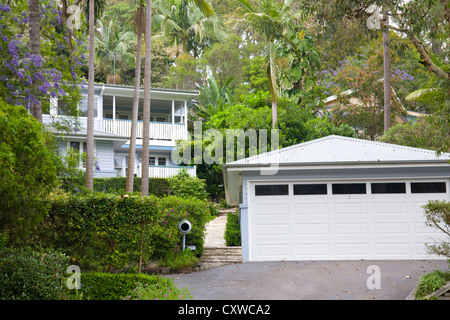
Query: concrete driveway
309, 280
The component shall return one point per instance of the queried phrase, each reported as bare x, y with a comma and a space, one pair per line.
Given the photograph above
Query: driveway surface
308, 280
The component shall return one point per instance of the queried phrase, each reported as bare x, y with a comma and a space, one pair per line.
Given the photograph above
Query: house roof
341, 150
329, 152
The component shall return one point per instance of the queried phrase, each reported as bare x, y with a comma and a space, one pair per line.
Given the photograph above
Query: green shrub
27, 171
115, 286
116, 185
431, 282
184, 185
181, 259
232, 230
99, 231
31, 274
104, 232
165, 235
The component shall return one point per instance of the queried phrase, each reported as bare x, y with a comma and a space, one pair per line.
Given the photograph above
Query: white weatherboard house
337, 198
112, 129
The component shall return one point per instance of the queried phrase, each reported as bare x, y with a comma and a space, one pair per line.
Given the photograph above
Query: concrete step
218, 256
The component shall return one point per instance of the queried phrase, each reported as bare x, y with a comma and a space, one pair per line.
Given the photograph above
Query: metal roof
340, 150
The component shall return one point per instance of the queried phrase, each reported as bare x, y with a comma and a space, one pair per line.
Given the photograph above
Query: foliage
27, 171
184, 74
430, 282
232, 230
213, 99
437, 214
185, 27
158, 291
115, 185
115, 286
423, 133
105, 232
361, 104
99, 231
26, 77
180, 259
30, 274
184, 185
165, 236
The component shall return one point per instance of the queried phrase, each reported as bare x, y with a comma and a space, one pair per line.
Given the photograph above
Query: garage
337, 198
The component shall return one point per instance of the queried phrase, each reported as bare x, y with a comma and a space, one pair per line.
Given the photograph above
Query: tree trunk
146, 107
90, 106
387, 75
34, 28
134, 116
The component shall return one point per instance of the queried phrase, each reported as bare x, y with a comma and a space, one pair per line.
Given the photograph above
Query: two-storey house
112, 129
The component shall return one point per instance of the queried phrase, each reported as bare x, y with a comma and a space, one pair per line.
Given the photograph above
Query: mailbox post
185, 227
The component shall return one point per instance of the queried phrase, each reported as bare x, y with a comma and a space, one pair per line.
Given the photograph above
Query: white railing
168, 171
158, 130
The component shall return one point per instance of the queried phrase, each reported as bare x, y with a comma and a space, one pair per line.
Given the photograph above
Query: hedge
232, 230
116, 185
104, 232
115, 286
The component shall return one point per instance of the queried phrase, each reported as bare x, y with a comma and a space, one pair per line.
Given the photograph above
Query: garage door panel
314, 250
270, 251
272, 210
391, 228
396, 249
358, 208
309, 229
275, 229
351, 228
352, 249
397, 208
311, 208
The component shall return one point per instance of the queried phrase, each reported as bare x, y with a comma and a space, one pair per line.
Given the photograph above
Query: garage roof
337, 149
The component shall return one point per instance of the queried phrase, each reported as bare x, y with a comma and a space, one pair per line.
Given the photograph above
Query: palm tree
273, 22
134, 116
207, 10
185, 26
214, 99
109, 43
146, 106
90, 104
34, 28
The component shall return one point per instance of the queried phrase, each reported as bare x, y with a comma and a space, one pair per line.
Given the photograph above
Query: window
428, 187
310, 189
161, 161
272, 190
123, 116
349, 188
152, 161
388, 188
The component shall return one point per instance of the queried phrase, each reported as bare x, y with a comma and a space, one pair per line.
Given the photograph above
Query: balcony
168, 171
158, 130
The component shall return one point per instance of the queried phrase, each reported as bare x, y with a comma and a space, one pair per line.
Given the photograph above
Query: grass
158, 291
181, 259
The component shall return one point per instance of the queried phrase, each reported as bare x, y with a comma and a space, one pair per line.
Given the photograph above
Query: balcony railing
158, 130
168, 171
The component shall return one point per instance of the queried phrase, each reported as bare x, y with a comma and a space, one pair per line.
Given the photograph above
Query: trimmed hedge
104, 232
115, 286
116, 185
232, 230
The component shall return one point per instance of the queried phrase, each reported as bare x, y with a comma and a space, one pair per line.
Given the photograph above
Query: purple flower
36, 59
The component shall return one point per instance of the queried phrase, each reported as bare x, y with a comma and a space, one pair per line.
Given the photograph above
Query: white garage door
341, 220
